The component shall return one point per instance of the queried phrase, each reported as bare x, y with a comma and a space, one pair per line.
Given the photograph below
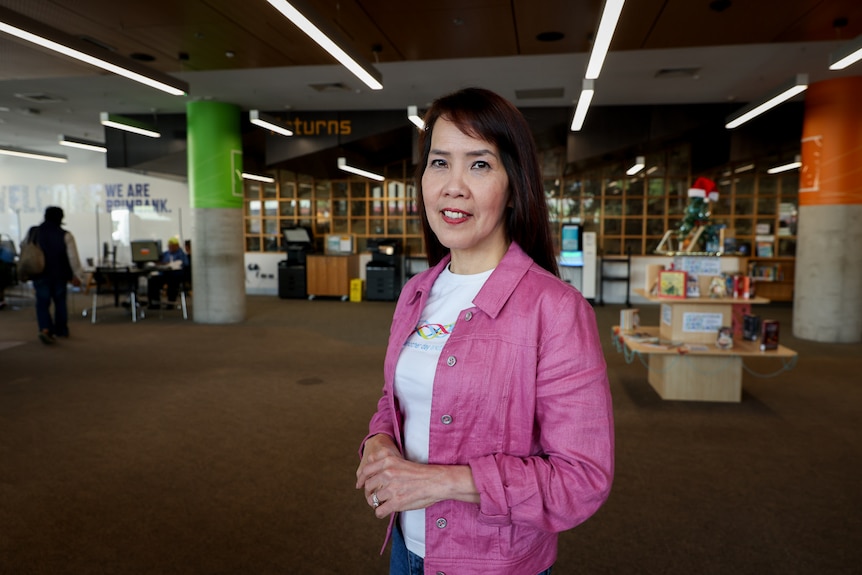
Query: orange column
828, 285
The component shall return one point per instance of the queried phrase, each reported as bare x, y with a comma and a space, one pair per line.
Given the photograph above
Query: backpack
31, 262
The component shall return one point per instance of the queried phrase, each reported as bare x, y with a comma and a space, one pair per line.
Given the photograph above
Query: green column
216, 199
215, 155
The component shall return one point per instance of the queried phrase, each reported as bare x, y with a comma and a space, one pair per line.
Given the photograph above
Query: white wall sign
701, 322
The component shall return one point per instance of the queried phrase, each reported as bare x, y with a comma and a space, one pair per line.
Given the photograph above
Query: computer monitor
146, 251
572, 249
296, 236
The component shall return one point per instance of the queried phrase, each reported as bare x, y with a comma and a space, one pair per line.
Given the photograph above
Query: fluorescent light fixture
743, 168
587, 92
797, 163
640, 161
32, 154
258, 118
258, 178
413, 116
128, 124
357, 65
38, 33
849, 54
785, 92
342, 165
607, 27
82, 144
652, 170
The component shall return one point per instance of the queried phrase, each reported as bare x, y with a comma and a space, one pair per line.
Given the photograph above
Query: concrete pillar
828, 287
216, 193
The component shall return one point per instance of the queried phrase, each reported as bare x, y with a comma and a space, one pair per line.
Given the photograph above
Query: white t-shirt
414, 376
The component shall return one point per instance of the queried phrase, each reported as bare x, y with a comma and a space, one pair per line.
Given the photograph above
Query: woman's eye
481, 164
438, 163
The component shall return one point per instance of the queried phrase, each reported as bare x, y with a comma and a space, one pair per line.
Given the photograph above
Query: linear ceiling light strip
32, 154
361, 69
258, 118
343, 165
607, 27
38, 33
82, 144
129, 125
797, 85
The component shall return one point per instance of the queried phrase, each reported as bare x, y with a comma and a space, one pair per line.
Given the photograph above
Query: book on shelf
751, 327
764, 250
629, 319
768, 334
672, 283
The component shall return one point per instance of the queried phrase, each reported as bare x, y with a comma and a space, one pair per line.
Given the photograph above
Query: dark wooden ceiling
197, 35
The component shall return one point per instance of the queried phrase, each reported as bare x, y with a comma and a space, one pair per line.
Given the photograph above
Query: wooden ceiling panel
434, 31
819, 22
687, 23
577, 21
21, 60
635, 25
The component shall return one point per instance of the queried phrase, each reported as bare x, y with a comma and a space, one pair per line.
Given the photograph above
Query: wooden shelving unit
774, 277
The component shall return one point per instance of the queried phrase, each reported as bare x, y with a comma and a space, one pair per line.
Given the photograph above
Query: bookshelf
773, 277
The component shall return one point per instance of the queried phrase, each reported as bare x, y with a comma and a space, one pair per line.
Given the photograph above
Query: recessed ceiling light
550, 36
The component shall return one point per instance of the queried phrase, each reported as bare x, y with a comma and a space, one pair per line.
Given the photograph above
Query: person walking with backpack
62, 266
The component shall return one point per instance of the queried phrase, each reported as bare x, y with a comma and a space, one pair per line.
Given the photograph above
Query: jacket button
450, 361
468, 316
441, 573
441, 523
446, 419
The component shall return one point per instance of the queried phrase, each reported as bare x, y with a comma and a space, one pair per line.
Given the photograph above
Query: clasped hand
392, 483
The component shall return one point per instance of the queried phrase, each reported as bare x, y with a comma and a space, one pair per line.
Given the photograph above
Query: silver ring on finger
374, 501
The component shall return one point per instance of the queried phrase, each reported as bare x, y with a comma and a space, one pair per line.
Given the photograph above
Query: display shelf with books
773, 277
686, 361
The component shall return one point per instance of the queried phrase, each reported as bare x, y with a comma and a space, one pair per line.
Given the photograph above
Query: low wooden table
697, 371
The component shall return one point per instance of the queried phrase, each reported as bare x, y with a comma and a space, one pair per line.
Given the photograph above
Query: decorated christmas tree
697, 214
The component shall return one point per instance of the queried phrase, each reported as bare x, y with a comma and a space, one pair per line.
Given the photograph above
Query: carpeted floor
167, 447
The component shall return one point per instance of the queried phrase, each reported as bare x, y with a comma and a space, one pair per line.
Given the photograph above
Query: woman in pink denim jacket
495, 428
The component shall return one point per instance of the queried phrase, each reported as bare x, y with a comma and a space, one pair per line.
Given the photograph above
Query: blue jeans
403, 562
46, 292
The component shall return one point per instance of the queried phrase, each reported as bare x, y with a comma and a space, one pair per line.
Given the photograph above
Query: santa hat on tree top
703, 188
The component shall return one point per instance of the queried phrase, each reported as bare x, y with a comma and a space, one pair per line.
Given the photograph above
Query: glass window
613, 226
655, 206
340, 225
634, 206
633, 246
743, 206
359, 226
634, 227
287, 207
655, 226
252, 189
612, 246
358, 208
413, 226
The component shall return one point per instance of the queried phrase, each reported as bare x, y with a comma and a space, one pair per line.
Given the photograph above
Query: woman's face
465, 190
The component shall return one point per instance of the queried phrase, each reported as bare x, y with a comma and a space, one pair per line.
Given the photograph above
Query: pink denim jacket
521, 396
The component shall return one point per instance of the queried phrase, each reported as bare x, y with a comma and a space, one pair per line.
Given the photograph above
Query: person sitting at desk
174, 260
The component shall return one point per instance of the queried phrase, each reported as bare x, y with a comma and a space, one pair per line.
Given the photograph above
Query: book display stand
685, 363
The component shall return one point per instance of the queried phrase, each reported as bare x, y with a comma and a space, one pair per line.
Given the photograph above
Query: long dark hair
482, 114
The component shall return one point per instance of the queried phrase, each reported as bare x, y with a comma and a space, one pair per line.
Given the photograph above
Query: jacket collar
496, 291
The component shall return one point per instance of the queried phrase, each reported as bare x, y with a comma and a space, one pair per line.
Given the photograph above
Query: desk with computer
123, 280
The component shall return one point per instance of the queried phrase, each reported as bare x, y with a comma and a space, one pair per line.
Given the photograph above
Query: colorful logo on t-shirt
433, 330
429, 336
